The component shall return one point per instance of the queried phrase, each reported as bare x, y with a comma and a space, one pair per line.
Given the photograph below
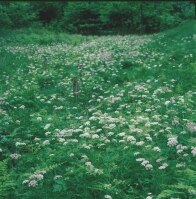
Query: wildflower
172, 141
180, 148
121, 134
140, 143
192, 192
71, 154
95, 136
193, 151
22, 107
47, 133
88, 164
167, 103
191, 127
107, 186
149, 138
17, 121
25, 181
37, 139
179, 165
47, 126
131, 139
59, 108
136, 153
149, 197
98, 171
57, 176
157, 149
32, 183
163, 166
20, 144
39, 118
145, 162
1, 150
159, 160
84, 158
140, 159
37, 176
148, 167
107, 197
15, 156
46, 142
110, 133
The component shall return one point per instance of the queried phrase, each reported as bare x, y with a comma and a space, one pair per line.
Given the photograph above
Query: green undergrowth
39, 36
127, 131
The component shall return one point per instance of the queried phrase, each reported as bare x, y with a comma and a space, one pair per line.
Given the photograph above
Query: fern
189, 174
6, 184
165, 194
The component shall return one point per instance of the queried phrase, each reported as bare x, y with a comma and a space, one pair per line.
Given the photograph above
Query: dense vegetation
106, 112
96, 17
129, 131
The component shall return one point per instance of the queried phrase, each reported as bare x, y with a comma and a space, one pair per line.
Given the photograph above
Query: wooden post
75, 87
45, 63
76, 81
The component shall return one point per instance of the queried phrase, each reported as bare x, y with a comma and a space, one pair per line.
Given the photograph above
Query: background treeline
96, 17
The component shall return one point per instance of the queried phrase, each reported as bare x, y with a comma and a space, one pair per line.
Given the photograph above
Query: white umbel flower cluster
172, 141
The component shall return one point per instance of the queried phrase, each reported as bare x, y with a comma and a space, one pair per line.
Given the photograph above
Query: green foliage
40, 36
114, 139
95, 18
6, 183
17, 14
82, 17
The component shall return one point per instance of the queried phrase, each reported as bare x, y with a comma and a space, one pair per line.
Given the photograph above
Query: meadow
126, 132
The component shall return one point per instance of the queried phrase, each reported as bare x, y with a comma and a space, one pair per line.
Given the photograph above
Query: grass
129, 133
39, 36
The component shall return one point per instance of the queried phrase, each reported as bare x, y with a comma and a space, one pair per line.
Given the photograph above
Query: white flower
37, 176
15, 156
131, 139
32, 183
167, 102
98, 171
148, 167
88, 164
136, 153
25, 181
1, 150
164, 165
39, 118
172, 141
140, 143
47, 133
140, 159
46, 142
22, 107
57, 176
59, 108
20, 144
157, 149
149, 197
149, 138
179, 165
193, 151
47, 126
17, 121
191, 127
71, 154
145, 162
107, 197
121, 134
95, 136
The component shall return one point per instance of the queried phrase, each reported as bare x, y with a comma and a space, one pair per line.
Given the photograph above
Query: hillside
129, 131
